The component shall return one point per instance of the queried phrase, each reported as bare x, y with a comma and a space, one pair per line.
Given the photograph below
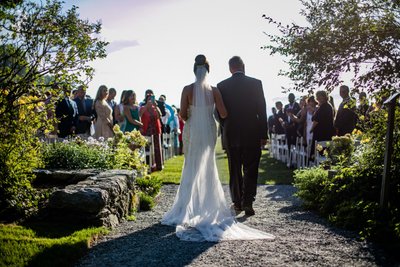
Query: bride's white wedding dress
200, 211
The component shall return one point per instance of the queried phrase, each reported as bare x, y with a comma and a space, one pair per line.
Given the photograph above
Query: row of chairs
297, 155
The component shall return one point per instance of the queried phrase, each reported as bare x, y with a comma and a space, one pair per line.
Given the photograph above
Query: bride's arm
184, 103
219, 103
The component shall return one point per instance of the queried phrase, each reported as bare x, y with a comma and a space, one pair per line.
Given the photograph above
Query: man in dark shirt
346, 117
85, 112
290, 126
279, 118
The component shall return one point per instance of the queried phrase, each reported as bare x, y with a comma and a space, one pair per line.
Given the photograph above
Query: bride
200, 211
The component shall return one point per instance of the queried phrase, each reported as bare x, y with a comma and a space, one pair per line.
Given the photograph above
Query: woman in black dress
322, 127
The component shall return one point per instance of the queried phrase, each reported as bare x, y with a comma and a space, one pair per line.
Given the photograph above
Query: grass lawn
44, 244
271, 171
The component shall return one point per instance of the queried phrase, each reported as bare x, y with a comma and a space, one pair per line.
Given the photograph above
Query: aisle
303, 239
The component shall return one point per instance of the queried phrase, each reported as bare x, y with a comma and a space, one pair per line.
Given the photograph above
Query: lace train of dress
200, 211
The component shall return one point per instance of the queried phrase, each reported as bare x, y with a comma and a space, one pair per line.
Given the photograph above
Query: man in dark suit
346, 117
67, 115
85, 112
290, 126
245, 132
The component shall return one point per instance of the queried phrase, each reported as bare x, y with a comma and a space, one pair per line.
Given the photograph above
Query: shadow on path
156, 245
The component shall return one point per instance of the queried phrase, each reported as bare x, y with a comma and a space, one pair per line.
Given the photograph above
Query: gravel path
303, 239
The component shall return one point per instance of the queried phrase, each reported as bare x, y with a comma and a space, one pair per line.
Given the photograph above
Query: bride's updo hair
201, 60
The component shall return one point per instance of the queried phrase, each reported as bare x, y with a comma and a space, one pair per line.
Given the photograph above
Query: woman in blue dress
131, 113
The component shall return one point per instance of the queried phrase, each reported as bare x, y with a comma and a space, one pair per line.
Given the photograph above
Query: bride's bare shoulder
188, 88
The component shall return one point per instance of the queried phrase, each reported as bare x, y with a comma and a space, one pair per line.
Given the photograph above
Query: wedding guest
322, 127
289, 125
85, 112
150, 115
111, 102
302, 113
104, 121
292, 106
119, 110
346, 117
67, 115
279, 118
271, 121
146, 93
131, 113
363, 110
363, 106
305, 119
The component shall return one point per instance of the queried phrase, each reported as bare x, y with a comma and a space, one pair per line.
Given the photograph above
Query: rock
103, 199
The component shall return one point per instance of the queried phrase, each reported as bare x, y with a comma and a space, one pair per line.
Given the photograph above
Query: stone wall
97, 198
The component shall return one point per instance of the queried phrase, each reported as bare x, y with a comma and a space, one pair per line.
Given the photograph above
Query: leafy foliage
362, 36
146, 202
77, 154
41, 47
119, 152
149, 185
351, 197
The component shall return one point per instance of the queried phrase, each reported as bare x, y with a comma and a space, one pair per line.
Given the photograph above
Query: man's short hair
112, 90
236, 62
345, 87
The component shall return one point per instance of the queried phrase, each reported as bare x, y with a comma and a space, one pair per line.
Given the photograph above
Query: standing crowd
80, 115
315, 119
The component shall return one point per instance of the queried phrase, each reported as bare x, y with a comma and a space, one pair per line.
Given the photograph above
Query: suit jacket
246, 123
346, 118
66, 112
84, 109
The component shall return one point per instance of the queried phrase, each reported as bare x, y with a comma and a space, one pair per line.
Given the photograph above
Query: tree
358, 36
43, 51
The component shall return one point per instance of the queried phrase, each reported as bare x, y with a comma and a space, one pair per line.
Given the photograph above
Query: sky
153, 43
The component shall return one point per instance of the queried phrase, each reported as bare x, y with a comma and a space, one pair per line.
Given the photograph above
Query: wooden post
391, 104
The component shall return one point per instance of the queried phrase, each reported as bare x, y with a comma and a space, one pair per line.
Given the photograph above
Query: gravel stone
302, 239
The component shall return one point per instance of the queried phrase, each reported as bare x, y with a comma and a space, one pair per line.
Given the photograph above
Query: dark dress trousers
243, 130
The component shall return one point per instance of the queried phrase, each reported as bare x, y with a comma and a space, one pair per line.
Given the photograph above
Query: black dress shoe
249, 211
237, 209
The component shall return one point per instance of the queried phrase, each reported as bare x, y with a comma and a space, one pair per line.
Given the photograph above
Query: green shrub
340, 150
351, 198
77, 154
310, 184
19, 155
149, 185
146, 202
119, 152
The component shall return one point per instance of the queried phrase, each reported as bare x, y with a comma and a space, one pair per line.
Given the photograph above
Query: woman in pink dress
150, 116
104, 120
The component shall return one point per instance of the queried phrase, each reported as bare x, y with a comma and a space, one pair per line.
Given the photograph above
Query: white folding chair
149, 153
294, 153
272, 145
282, 148
302, 155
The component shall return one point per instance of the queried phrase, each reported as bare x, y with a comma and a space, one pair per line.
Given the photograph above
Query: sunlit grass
44, 245
271, 171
